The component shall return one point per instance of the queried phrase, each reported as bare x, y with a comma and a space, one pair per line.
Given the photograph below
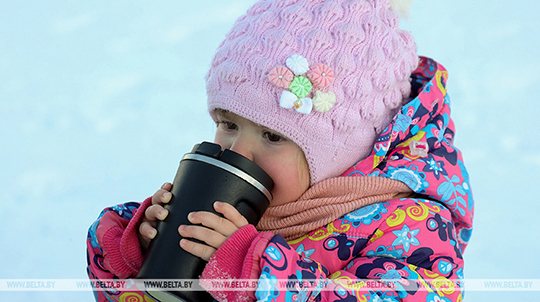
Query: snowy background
100, 99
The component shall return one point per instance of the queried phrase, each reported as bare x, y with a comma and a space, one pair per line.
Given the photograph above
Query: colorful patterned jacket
411, 248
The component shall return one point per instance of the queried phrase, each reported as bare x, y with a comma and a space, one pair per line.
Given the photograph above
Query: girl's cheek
304, 176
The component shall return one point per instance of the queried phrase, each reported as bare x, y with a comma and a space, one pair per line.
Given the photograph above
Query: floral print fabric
417, 149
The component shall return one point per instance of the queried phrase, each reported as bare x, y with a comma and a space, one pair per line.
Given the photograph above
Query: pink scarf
327, 201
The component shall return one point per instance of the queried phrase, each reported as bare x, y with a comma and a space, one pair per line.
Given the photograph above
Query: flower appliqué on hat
324, 101
300, 80
298, 64
281, 76
321, 75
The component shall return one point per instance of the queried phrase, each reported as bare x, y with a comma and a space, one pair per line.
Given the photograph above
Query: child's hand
155, 212
214, 232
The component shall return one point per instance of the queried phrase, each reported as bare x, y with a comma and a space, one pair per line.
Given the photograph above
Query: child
331, 100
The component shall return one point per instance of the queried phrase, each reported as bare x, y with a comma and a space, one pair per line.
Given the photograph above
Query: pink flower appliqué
281, 76
321, 75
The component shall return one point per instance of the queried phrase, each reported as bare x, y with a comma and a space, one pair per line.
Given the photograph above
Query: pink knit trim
237, 258
113, 255
121, 247
130, 245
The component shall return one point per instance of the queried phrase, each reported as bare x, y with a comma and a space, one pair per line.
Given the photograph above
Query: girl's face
278, 156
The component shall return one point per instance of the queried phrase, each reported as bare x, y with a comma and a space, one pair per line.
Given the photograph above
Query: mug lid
236, 160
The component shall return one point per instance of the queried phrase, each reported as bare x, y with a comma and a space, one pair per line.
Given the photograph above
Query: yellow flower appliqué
324, 101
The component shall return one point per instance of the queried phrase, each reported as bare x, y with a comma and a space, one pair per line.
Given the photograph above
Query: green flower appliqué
301, 86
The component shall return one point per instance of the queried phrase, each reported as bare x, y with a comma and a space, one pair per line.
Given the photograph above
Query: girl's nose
243, 146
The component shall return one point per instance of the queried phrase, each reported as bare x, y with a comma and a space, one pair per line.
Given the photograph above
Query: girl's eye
231, 125
228, 125
272, 137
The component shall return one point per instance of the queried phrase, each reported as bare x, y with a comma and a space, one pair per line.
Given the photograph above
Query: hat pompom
401, 7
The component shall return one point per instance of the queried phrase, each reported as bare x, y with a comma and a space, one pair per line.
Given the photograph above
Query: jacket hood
417, 149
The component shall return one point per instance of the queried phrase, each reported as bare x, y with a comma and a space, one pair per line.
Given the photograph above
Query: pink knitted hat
329, 75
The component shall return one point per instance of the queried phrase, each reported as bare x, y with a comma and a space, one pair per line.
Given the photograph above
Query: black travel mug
204, 176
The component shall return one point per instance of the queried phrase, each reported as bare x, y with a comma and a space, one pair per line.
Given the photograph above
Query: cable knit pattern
371, 58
